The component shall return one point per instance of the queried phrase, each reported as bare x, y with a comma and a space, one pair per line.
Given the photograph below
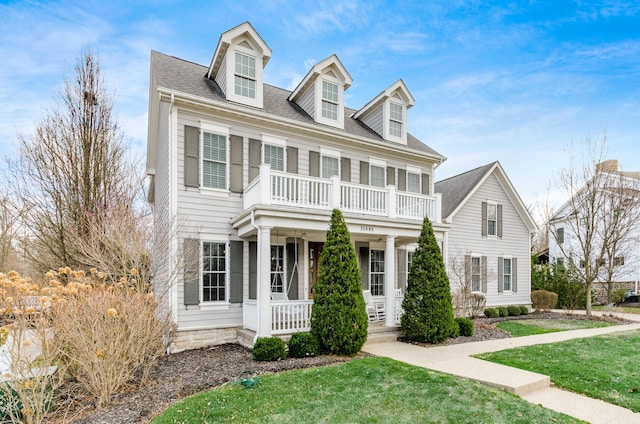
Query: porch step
379, 333
245, 337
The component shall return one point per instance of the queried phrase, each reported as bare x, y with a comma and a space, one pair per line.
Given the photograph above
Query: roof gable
330, 66
397, 91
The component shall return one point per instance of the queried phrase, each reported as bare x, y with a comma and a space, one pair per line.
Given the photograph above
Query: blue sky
515, 81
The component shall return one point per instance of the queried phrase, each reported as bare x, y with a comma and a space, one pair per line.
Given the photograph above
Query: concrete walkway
533, 387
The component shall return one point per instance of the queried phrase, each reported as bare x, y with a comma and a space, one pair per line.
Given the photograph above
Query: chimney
609, 166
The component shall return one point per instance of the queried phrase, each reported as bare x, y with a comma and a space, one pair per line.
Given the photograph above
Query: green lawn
369, 390
540, 326
603, 367
621, 309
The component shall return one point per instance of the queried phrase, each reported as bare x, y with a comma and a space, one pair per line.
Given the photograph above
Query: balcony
299, 191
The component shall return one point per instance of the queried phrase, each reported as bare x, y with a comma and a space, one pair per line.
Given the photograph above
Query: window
506, 274
560, 235
214, 272
409, 260
560, 262
618, 261
245, 75
395, 120
277, 269
377, 177
414, 183
492, 219
274, 156
330, 166
329, 100
476, 277
582, 263
214, 160
377, 273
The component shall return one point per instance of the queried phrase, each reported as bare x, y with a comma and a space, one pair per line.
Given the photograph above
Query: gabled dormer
237, 65
386, 114
321, 92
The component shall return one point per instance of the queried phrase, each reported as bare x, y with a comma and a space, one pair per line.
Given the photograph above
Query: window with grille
377, 273
377, 176
330, 166
277, 269
395, 120
492, 219
506, 274
330, 100
214, 161
476, 278
274, 156
214, 272
245, 75
414, 183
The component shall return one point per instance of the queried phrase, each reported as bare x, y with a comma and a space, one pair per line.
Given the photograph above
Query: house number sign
366, 228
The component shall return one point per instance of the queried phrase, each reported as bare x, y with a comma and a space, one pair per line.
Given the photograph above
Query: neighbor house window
377, 273
395, 120
214, 160
560, 235
378, 177
618, 261
245, 75
506, 274
492, 219
277, 269
214, 272
414, 182
330, 100
475, 275
274, 156
330, 166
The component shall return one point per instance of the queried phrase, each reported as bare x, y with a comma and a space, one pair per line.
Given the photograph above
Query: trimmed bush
339, 316
543, 300
303, 345
618, 296
514, 310
503, 311
269, 349
427, 304
466, 326
491, 313
524, 310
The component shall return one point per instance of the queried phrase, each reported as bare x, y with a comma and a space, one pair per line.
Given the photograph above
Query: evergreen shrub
514, 310
466, 326
303, 345
491, 313
524, 310
503, 311
269, 349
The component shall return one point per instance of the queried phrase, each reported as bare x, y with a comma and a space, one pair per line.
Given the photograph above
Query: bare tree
10, 215
73, 172
470, 277
596, 224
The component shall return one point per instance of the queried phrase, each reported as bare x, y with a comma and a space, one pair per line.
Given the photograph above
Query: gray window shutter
255, 158
235, 184
191, 257
364, 173
499, 221
402, 269
364, 267
235, 262
402, 179
191, 156
514, 275
500, 275
253, 270
468, 271
391, 175
345, 169
292, 271
292, 160
484, 219
426, 186
484, 273
314, 164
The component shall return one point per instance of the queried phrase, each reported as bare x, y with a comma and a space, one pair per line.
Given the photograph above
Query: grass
621, 309
602, 367
368, 390
541, 326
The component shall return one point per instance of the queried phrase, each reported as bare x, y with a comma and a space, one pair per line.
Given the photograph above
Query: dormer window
245, 75
330, 100
395, 119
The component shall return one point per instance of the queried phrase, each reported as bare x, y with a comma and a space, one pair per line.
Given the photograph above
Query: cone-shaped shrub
339, 315
428, 310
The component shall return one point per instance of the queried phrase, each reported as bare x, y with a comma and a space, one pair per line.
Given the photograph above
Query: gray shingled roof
455, 189
187, 77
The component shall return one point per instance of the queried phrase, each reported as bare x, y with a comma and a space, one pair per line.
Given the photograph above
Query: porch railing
291, 316
281, 188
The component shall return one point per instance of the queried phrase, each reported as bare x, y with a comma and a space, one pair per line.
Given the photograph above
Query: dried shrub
477, 302
543, 300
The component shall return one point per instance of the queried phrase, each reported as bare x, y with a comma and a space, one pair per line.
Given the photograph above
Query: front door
315, 249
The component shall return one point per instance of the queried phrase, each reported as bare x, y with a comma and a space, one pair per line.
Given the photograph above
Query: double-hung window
395, 119
330, 100
330, 166
492, 219
214, 160
245, 75
414, 182
378, 176
277, 269
214, 272
506, 274
377, 273
476, 277
274, 156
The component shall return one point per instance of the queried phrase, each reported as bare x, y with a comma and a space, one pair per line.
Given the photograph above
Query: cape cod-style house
244, 176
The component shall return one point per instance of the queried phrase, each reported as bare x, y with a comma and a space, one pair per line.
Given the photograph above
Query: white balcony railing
291, 316
281, 188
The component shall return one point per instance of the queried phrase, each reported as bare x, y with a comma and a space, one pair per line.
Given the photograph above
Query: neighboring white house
489, 239
244, 176
574, 218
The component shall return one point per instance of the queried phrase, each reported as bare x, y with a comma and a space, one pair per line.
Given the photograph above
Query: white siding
375, 120
307, 102
221, 78
465, 238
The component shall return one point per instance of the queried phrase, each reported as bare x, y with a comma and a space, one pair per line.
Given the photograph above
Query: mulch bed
186, 373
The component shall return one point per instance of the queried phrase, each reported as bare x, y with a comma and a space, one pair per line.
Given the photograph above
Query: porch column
390, 281
264, 282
